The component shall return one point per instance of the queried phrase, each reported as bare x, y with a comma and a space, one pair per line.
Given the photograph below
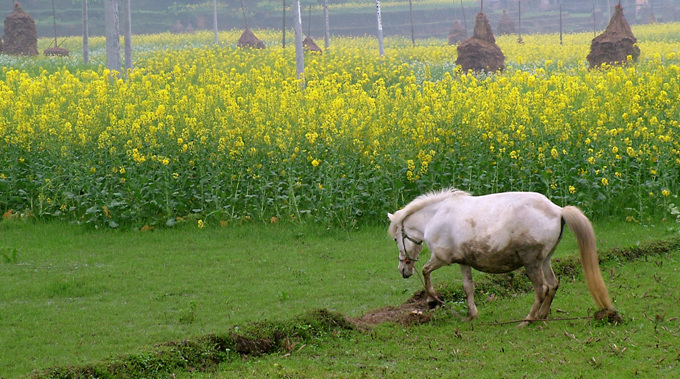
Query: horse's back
484, 231
506, 208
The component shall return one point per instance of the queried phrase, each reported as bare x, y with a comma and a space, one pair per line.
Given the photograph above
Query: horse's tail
585, 236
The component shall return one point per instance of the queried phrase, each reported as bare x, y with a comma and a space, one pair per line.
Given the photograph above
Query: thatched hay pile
457, 33
309, 45
21, 35
480, 52
506, 25
177, 28
651, 19
615, 44
190, 29
248, 39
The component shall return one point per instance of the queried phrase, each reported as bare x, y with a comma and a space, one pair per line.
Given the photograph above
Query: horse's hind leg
469, 287
553, 284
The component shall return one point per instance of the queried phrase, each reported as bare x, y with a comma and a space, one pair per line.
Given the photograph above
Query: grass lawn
73, 295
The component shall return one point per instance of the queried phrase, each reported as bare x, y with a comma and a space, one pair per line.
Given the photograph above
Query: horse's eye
395, 240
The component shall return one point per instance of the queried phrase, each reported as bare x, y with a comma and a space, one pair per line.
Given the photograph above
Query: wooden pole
410, 12
54, 19
283, 41
381, 46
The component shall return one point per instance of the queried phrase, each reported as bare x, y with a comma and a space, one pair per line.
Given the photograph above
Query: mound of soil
412, 312
308, 44
615, 44
480, 52
506, 25
457, 33
21, 35
249, 40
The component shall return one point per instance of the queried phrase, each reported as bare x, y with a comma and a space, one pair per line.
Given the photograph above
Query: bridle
404, 237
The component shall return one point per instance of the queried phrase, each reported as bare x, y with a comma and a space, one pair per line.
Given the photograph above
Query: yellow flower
665, 193
572, 189
201, 224
605, 182
315, 163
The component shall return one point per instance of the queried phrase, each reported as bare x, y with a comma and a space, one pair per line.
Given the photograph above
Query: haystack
457, 33
480, 52
56, 51
615, 44
506, 25
308, 44
651, 19
177, 28
21, 35
248, 39
190, 29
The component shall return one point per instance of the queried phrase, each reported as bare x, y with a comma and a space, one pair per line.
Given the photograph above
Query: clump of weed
610, 316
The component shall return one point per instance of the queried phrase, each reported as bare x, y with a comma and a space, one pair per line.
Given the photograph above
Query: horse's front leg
432, 298
469, 287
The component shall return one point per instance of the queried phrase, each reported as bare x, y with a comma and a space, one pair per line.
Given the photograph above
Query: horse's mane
420, 202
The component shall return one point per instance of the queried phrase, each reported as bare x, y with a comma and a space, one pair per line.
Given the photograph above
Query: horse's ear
390, 216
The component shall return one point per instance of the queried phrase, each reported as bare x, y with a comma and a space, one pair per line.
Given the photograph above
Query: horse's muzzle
406, 273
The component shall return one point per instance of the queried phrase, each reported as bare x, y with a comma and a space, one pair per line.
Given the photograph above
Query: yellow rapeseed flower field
205, 132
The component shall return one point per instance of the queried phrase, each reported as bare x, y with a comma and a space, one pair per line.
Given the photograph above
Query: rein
405, 237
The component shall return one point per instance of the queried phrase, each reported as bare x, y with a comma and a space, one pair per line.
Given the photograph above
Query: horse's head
409, 247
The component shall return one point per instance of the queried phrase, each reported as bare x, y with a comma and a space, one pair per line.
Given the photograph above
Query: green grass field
73, 296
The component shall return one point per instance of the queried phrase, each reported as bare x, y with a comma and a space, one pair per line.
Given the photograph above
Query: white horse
495, 233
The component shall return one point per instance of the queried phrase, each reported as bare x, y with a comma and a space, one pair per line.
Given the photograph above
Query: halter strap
405, 237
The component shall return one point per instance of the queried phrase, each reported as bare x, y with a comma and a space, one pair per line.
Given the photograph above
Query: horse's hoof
523, 324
